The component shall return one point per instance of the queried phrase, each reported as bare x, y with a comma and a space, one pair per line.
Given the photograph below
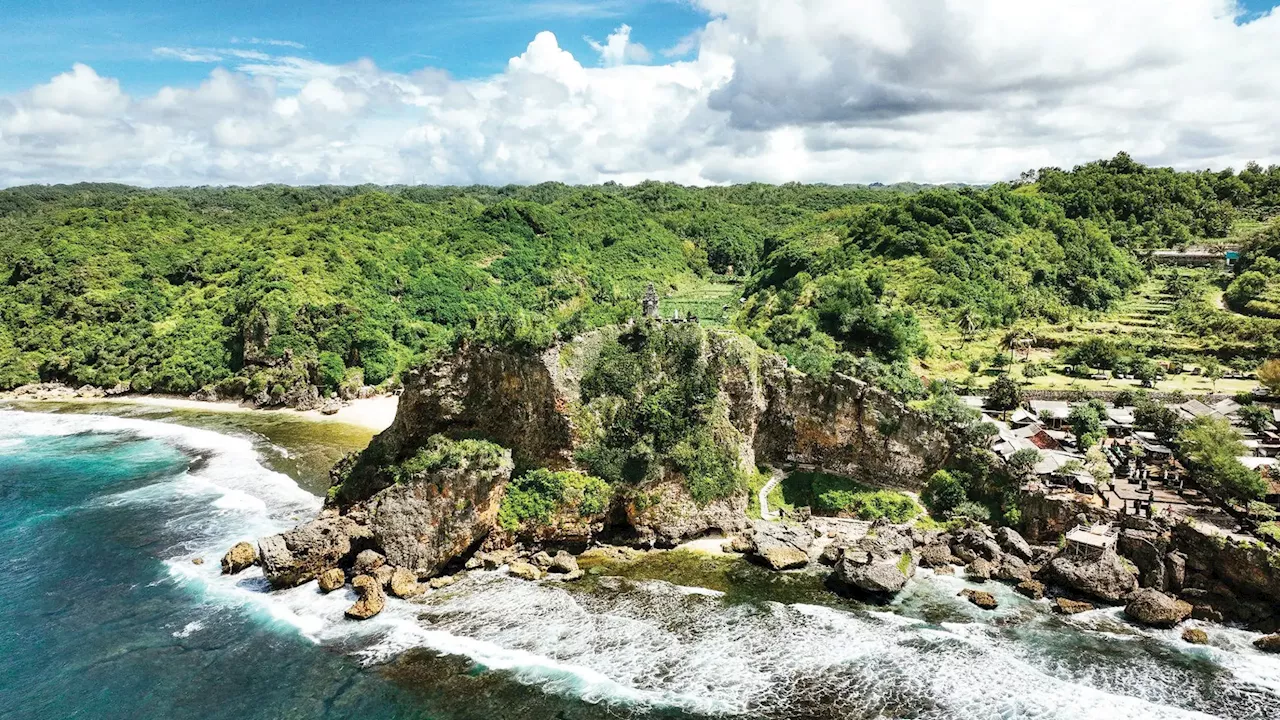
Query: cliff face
763, 412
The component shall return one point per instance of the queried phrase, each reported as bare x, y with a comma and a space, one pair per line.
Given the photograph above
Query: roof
1021, 417
973, 401
1055, 408
1121, 416
1255, 463
1151, 443
1051, 461
1098, 536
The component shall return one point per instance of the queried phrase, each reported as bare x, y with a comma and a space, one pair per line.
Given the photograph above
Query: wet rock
979, 570
294, 557
368, 561
1268, 643
541, 559
1014, 544
404, 583
1195, 636
1071, 607
945, 570
972, 543
984, 600
936, 555
1106, 577
564, 563
1013, 569
370, 598
781, 546
444, 581
331, 579
1206, 613
242, 555
831, 554
197, 561
383, 574
1175, 571
1033, 589
1152, 607
524, 571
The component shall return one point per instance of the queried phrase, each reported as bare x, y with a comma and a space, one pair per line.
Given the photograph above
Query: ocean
103, 614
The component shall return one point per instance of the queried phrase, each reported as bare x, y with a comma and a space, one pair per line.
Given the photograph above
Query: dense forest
260, 291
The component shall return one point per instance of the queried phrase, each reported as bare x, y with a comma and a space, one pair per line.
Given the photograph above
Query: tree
1210, 447
942, 493
1086, 422
1004, 393
331, 371
1022, 464
1256, 417
1147, 372
1269, 375
1212, 371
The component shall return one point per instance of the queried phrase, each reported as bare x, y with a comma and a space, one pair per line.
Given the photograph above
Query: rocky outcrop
241, 556
1033, 589
1105, 578
665, 514
1147, 550
370, 598
404, 584
984, 600
331, 579
1195, 636
432, 517
1239, 580
1048, 516
1067, 606
1152, 607
294, 557
879, 564
1011, 542
1268, 643
781, 546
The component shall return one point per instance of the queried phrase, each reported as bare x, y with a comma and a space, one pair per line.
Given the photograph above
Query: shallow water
103, 614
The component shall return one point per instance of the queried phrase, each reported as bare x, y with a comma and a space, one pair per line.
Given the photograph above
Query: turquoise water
103, 615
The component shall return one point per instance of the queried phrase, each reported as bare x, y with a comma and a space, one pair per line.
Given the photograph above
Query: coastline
373, 413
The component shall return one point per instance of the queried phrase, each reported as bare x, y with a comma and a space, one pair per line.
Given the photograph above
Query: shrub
442, 453
538, 495
972, 510
330, 371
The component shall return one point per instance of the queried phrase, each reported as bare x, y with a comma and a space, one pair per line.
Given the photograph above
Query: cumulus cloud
772, 90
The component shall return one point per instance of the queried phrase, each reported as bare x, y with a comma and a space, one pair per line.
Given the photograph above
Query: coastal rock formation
563, 562
370, 598
524, 571
878, 564
781, 546
242, 555
1033, 589
432, 517
331, 579
1152, 607
668, 514
1238, 579
1105, 578
1268, 643
294, 557
1195, 636
1067, 606
936, 555
404, 584
1013, 543
1046, 517
984, 600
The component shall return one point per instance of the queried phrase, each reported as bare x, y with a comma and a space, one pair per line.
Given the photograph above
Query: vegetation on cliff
539, 496
651, 406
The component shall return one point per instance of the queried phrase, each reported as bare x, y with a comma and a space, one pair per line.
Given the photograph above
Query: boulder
973, 543
443, 581
831, 554
945, 570
564, 563
1071, 607
984, 600
1033, 589
524, 571
781, 546
1152, 607
200, 560
370, 598
541, 559
668, 514
1013, 569
1147, 550
404, 584
1268, 643
1013, 543
331, 579
294, 557
979, 570
383, 574
1195, 636
242, 555
1105, 578
936, 555
368, 561
878, 564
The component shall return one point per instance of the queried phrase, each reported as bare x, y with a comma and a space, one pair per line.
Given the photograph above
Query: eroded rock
1071, 607
1152, 607
524, 571
331, 579
1106, 577
1195, 636
984, 600
370, 598
294, 557
241, 556
404, 583
781, 546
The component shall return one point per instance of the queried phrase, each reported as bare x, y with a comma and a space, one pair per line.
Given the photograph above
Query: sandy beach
375, 413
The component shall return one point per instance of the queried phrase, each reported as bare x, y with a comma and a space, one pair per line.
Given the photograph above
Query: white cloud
619, 50
267, 41
773, 90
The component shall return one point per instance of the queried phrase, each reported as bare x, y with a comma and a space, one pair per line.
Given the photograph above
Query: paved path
764, 495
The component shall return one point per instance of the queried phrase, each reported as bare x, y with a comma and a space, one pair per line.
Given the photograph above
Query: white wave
189, 629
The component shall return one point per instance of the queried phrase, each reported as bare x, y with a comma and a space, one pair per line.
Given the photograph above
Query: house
1022, 416
1051, 412
1119, 422
1152, 446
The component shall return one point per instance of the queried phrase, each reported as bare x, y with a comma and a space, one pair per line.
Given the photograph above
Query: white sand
375, 413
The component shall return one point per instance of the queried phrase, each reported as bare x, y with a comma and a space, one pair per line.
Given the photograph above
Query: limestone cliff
760, 411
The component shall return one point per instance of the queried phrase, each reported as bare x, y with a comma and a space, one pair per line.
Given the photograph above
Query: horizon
697, 92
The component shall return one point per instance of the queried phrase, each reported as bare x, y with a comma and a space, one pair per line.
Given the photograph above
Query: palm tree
968, 323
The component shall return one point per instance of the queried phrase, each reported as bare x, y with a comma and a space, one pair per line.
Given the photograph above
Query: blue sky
166, 92
41, 38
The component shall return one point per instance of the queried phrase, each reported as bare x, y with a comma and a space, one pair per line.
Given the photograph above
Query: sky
585, 91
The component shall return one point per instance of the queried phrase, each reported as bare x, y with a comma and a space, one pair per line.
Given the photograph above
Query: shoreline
373, 413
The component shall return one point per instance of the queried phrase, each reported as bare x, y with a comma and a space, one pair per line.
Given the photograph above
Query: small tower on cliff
650, 302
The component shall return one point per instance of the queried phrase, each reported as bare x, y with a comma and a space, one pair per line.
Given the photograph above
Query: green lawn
706, 299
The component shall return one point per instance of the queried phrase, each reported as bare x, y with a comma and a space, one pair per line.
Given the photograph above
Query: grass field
705, 299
